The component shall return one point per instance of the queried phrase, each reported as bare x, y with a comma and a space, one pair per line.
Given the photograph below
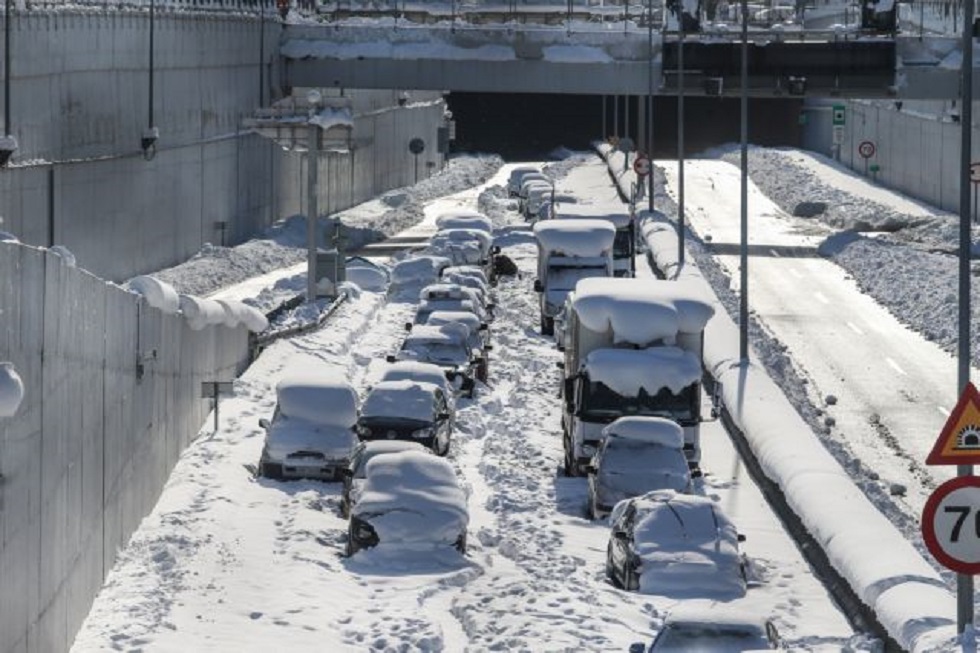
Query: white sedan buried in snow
710, 626
410, 500
677, 545
356, 470
425, 372
637, 455
312, 432
446, 346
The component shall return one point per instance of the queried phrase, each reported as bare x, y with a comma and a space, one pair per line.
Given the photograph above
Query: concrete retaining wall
80, 101
95, 438
917, 145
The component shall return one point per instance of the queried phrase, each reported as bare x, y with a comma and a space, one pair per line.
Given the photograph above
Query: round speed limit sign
951, 524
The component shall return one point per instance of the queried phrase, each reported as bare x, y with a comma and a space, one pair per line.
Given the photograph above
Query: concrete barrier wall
95, 439
917, 145
80, 102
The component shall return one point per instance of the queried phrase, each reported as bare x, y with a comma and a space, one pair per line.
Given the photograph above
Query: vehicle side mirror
468, 384
620, 534
637, 647
495, 250
741, 537
408, 326
484, 326
696, 473
442, 416
347, 472
591, 469
390, 358
264, 423
487, 347
560, 365
538, 287
491, 306
569, 391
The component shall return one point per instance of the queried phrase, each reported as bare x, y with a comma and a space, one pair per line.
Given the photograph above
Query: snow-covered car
407, 410
417, 270
674, 544
468, 276
409, 500
356, 469
478, 335
695, 626
425, 372
636, 455
537, 194
452, 297
517, 176
463, 246
446, 346
312, 432
464, 219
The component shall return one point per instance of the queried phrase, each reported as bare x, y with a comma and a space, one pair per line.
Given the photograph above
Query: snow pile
200, 312
687, 546
579, 237
413, 498
410, 399
158, 294
367, 278
11, 390
648, 430
238, 313
628, 371
317, 398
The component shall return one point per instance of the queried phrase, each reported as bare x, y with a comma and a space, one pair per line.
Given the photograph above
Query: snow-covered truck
569, 250
632, 347
624, 246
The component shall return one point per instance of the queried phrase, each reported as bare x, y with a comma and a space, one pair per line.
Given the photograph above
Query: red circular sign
866, 149
641, 166
951, 524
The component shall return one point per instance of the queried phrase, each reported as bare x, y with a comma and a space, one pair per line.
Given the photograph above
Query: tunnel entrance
530, 126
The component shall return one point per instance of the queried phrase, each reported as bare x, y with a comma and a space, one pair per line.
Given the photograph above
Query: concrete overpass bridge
606, 51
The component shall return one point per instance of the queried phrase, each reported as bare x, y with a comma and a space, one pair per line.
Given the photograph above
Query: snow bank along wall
80, 102
916, 144
112, 397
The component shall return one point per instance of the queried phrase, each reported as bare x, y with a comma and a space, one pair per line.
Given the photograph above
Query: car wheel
610, 570
344, 509
571, 469
271, 470
461, 544
590, 507
547, 326
631, 581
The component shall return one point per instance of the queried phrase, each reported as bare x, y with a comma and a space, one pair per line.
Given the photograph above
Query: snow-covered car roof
467, 280
467, 270
367, 274
704, 611
686, 545
471, 320
477, 222
627, 371
319, 400
701, 625
650, 430
413, 498
419, 268
406, 398
442, 333
438, 291
583, 237
418, 371
642, 310
464, 235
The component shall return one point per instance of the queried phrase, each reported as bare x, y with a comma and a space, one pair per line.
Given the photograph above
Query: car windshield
440, 353
708, 639
564, 279
599, 402
387, 421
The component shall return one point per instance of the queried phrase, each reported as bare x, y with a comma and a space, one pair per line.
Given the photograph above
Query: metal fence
112, 397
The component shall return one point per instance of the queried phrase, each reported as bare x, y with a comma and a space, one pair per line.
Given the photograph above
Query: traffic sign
951, 524
959, 441
641, 166
866, 149
975, 172
838, 134
838, 115
416, 146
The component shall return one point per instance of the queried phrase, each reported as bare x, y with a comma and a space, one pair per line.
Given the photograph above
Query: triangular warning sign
959, 441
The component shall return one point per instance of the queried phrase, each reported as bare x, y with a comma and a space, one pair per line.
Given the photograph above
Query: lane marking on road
942, 410
892, 364
855, 328
821, 297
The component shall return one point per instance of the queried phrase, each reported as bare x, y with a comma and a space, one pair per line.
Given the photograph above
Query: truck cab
624, 245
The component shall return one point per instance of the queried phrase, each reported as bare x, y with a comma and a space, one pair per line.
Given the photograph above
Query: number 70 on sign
951, 524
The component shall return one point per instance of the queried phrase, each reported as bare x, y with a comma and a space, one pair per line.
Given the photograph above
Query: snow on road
227, 562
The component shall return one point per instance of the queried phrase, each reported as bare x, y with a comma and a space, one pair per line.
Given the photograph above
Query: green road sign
838, 118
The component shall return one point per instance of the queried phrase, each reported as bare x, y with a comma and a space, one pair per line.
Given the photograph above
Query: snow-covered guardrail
905, 593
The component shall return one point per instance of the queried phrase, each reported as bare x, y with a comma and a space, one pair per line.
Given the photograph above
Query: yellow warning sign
959, 441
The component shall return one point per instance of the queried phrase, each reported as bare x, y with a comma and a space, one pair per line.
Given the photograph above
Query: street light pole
680, 144
312, 173
650, 203
743, 313
964, 582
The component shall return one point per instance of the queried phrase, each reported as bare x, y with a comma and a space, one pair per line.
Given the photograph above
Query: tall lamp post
151, 134
680, 144
650, 188
312, 175
8, 143
743, 313
964, 582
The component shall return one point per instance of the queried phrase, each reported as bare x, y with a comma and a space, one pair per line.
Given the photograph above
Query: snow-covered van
569, 250
624, 247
